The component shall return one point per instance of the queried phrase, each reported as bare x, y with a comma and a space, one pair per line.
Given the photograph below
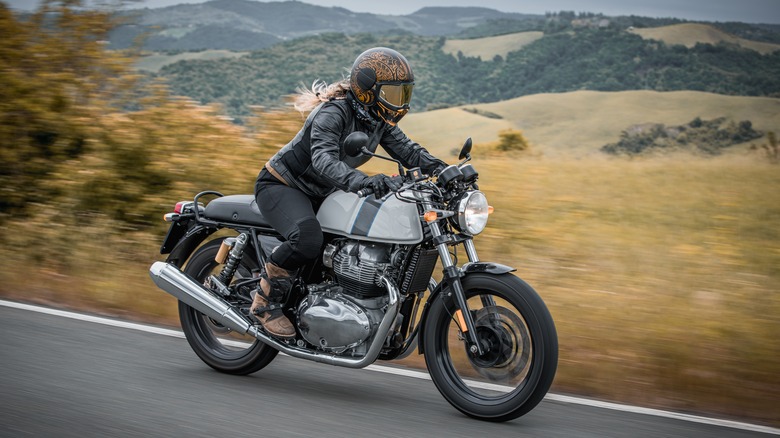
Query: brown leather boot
266, 303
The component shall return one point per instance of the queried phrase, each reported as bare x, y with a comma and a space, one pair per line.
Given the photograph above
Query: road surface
66, 377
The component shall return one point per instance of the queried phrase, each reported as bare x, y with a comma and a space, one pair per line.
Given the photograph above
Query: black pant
291, 213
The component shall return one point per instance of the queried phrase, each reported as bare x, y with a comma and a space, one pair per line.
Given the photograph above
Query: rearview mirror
465, 152
355, 142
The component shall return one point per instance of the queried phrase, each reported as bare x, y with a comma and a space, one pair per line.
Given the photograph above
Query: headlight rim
462, 220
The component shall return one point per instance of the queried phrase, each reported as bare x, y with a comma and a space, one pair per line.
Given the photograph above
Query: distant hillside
253, 25
155, 61
599, 59
690, 34
581, 122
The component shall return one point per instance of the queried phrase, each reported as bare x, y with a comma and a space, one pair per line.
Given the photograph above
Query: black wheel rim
217, 339
506, 367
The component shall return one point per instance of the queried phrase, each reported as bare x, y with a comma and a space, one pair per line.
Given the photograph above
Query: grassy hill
489, 47
690, 34
685, 34
579, 123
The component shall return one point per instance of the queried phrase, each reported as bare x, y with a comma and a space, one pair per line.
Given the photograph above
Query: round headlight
472, 213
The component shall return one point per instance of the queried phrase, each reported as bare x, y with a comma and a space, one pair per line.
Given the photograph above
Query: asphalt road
63, 377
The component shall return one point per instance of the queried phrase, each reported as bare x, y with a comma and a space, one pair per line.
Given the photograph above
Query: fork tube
471, 251
452, 277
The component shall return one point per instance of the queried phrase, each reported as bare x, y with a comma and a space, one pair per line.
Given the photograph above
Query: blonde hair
320, 91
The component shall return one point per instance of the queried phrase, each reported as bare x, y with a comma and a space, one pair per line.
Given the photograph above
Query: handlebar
365, 192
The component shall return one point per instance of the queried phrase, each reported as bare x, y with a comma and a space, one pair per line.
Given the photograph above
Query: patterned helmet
382, 79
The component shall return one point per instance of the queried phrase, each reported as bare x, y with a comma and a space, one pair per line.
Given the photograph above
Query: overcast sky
750, 11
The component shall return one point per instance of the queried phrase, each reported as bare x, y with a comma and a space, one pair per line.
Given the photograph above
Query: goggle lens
396, 96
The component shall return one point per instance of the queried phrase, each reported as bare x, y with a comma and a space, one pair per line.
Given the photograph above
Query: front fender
467, 269
487, 267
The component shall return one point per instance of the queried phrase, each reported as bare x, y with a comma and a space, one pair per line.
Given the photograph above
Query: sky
749, 11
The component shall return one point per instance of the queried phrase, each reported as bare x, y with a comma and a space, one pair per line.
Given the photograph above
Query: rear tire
518, 337
216, 345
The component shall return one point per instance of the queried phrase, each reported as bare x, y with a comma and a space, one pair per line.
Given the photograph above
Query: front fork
452, 286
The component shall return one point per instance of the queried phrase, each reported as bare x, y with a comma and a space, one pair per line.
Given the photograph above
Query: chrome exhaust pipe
170, 279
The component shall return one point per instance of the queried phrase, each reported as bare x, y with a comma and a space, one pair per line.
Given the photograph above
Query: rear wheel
218, 346
519, 343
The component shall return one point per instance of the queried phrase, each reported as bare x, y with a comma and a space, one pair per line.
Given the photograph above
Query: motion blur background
632, 163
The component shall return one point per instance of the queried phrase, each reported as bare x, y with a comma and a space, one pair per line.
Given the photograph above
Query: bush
708, 136
771, 148
512, 140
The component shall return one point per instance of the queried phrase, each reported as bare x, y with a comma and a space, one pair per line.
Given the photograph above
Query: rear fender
467, 269
186, 246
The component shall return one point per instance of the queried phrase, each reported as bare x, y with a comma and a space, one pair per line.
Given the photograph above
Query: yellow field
662, 275
689, 34
580, 122
487, 48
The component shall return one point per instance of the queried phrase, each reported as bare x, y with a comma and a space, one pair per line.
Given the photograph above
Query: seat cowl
237, 209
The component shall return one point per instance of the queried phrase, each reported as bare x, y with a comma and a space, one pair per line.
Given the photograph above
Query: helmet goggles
392, 101
395, 96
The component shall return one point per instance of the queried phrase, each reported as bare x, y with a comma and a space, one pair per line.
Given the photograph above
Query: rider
313, 165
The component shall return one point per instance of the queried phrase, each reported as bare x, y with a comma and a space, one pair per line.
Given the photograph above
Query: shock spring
234, 257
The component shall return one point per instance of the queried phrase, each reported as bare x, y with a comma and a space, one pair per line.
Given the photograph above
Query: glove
381, 185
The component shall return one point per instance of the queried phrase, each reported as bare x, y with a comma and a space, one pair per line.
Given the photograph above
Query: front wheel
519, 342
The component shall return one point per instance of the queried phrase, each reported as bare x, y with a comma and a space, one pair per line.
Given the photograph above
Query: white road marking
418, 374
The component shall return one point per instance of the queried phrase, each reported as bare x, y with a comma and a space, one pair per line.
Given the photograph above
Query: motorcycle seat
240, 209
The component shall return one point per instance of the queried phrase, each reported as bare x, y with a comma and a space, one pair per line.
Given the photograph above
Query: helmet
382, 80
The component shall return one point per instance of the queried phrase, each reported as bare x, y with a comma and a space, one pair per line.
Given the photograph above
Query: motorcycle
489, 342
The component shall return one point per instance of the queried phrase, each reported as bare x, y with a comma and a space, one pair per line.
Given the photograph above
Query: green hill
597, 59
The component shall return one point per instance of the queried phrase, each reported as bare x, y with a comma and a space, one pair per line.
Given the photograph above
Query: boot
267, 301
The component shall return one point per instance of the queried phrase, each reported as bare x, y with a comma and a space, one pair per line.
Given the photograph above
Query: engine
336, 322
342, 315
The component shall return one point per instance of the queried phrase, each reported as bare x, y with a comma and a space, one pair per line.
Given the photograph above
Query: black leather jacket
315, 162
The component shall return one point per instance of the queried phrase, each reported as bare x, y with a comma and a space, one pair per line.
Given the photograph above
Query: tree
57, 77
82, 137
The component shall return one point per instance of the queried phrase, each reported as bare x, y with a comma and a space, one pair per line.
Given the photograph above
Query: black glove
381, 184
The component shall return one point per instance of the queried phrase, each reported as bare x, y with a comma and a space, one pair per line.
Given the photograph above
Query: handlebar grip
365, 192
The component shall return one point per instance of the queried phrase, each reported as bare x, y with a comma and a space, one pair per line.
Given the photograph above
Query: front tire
216, 345
519, 340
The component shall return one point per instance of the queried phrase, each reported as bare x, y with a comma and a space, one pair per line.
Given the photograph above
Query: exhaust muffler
170, 279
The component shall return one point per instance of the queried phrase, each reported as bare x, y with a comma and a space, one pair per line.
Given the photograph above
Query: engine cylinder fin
358, 268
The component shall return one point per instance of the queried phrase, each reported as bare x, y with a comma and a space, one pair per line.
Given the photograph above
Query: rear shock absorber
234, 257
232, 249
